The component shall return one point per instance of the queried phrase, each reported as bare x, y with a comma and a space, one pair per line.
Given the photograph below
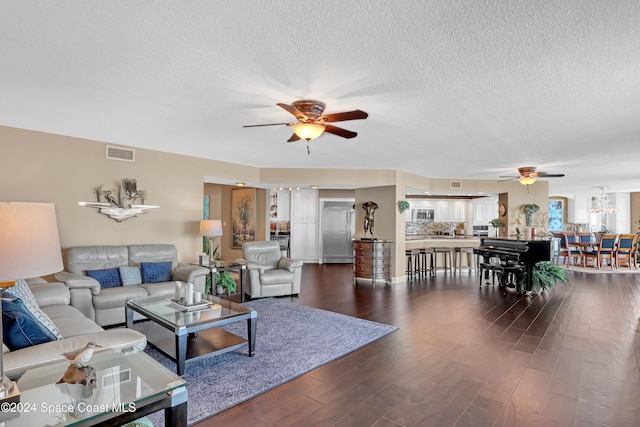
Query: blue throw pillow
154, 272
108, 278
20, 328
130, 276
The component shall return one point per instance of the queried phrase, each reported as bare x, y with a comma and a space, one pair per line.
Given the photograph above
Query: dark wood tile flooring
465, 356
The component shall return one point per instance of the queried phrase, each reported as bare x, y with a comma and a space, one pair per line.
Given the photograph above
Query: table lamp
211, 228
29, 247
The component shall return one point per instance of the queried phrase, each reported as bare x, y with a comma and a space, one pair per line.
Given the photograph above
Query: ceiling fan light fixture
308, 131
527, 180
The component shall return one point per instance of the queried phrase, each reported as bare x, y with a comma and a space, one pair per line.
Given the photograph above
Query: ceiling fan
528, 175
312, 123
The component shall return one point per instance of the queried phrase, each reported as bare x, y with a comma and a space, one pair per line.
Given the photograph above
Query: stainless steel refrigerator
338, 228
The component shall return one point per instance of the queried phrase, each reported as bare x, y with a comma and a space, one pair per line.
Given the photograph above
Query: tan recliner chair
269, 273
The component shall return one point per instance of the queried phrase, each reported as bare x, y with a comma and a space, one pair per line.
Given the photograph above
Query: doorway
338, 229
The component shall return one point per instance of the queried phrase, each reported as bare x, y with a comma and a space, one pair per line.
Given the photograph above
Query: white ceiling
453, 88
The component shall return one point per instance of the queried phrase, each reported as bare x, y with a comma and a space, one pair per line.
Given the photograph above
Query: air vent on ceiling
455, 185
118, 153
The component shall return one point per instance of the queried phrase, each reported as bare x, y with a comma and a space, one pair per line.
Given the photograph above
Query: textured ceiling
454, 89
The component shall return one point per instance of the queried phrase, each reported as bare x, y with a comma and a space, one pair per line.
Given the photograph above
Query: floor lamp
29, 247
211, 228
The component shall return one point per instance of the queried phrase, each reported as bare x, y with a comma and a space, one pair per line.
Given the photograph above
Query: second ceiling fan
529, 174
312, 122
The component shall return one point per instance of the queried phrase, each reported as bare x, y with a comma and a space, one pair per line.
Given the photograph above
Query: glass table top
162, 308
122, 381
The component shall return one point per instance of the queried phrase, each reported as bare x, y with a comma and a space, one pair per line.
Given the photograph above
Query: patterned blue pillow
21, 329
23, 291
130, 276
108, 278
154, 272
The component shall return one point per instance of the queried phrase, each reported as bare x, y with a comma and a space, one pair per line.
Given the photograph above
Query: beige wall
635, 212
40, 167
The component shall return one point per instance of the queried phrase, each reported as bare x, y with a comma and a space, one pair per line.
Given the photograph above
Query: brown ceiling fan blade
266, 124
550, 175
340, 132
507, 178
293, 138
347, 115
292, 110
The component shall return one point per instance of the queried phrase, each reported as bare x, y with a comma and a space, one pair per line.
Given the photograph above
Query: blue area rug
291, 340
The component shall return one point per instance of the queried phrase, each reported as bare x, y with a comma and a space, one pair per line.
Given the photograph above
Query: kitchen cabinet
459, 210
578, 209
444, 210
279, 205
484, 210
621, 220
304, 225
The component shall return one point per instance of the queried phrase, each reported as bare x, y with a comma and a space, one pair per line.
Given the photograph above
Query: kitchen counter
442, 242
411, 237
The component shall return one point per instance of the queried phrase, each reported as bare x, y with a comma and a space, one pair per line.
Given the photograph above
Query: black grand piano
523, 252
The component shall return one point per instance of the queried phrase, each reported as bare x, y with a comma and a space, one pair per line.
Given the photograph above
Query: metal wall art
122, 202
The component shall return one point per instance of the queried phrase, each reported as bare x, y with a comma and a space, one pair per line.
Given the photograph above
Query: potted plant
226, 282
496, 223
545, 275
529, 210
518, 225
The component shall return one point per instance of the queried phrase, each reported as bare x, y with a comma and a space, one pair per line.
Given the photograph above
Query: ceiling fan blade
293, 110
293, 138
340, 132
266, 124
550, 175
347, 115
507, 178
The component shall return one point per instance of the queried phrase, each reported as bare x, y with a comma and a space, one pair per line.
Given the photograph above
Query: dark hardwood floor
465, 356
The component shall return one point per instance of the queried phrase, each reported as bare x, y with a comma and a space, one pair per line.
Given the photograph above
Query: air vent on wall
455, 185
118, 153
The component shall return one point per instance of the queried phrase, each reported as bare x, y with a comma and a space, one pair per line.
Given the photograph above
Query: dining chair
626, 250
603, 250
585, 237
564, 249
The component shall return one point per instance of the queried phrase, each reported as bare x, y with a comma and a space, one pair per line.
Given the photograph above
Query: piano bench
504, 271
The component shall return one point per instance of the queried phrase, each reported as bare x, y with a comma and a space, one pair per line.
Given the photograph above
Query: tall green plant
227, 282
545, 275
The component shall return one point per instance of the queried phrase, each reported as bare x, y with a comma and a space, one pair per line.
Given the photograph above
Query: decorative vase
528, 217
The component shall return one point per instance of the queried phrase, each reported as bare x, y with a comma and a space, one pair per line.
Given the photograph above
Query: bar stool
413, 263
457, 258
430, 266
446, 254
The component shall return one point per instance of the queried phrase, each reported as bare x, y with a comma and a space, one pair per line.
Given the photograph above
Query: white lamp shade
29, 241
211, 227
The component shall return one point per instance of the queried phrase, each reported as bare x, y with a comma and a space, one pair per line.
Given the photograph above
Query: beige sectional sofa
76, 329
105, 305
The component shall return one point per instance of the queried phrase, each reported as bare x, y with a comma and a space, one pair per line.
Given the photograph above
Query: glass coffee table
183, 335
126, 385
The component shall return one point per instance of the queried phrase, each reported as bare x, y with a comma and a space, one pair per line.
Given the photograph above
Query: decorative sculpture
119, 203
81, 356
370, 209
